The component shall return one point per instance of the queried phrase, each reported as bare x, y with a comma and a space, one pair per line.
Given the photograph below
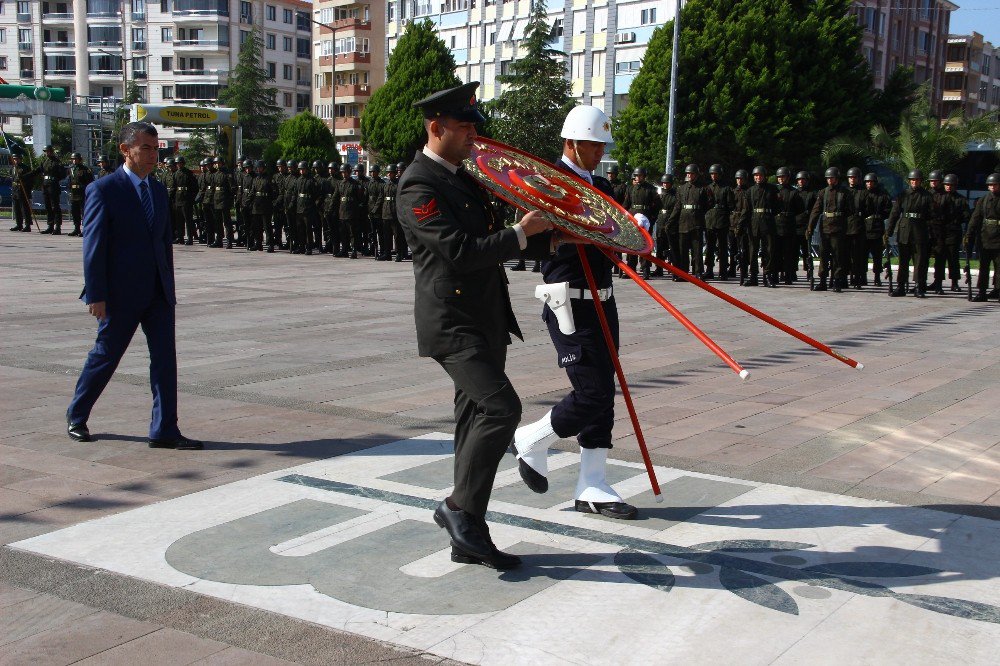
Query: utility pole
672, 104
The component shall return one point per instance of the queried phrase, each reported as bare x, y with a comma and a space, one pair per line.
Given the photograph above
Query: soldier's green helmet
332, 166
102, 160
247, 164
279, 163
167, 161
715, 168
691, 168
400, 166
993, 179
854, 172
76, 156
832, 172
915, 174
613, 168
783, 172
204, 161
217, 160
180, 159
259, 164
48, 148
639, 171
391, 169
951, 179
742, 173
871, 178
317, 164
802, 175
303, 165
759, 171
376, 169
345, 168
935, 175
667, 178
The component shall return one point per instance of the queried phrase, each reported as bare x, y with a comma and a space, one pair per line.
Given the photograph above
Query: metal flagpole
672, 104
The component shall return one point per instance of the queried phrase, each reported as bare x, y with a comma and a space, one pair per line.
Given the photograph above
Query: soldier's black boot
46, 230
994, 293
878, 281
980, 297
16, 228
58, 230
954, 286
537, 268
645, 272
519, 266
821, 286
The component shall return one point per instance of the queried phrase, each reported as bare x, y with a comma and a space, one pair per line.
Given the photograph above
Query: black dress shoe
78, 432
619, 510
467, 537
181, 443
498, 559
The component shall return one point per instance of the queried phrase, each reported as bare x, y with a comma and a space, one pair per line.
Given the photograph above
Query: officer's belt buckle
762, 210
585, 295
689, 206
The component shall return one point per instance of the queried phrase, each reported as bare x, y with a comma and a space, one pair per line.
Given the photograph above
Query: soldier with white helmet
587, 412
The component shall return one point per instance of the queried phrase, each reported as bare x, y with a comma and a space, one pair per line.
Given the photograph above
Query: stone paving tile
234, 656
37, 614
161, 646
76, 640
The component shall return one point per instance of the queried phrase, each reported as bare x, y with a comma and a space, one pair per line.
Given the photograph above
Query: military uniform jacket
219, 186
957, 220
79, 178
937, 226
912, 212
349, 195
618, 191
101, 173
261, 194
328, 197
389, 192
21, 178
833, 206
790, 208
307, 195
288, 194
740, 217
762, 204
693, 201
202, 179
984, 225
879, 206
185, 188
717, 217
642, 198
808, 198
52, 172
374, 192
458, 250
862, 209
668, 200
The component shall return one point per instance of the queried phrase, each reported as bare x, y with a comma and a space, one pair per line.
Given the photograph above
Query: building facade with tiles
972, 76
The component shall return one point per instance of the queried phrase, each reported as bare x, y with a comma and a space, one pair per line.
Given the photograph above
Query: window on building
107, 91
983, 90
986, 64
271, 41
24, 38
493, 37
164, 6
244, 36
272, 70
139, 68
167, 92
139, 39
390, 11
287, 100
647, 16
271, 12
3, 35
3, 62
167, 64
286, 72
246, 12
286, 44
628, 67
576, 66
579, 22
301, 102
423, 7
197, 91
597, 64
286, 16
601, 19
23, 7
166, 35
301, 47
27, 68
557, 28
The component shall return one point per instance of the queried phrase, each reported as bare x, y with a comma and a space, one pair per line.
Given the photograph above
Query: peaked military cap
458, 103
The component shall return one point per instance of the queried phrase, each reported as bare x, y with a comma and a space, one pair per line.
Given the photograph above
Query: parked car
38, 200
5, 200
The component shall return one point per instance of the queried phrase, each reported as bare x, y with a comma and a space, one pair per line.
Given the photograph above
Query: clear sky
982, 16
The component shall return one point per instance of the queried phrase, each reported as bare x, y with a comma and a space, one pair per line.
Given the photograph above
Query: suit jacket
125, 259
458, 251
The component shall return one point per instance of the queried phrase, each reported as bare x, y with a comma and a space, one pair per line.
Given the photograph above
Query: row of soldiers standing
299, 208
698, 223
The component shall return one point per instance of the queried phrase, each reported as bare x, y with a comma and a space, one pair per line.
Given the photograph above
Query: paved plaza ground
814, 513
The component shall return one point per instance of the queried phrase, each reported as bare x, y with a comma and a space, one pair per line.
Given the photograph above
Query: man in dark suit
128, 270
588, 411
462, 308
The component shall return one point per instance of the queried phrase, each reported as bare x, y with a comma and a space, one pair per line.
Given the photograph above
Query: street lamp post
672, 104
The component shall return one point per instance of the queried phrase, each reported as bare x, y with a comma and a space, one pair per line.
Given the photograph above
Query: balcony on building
194, 10
59, 46
214, 74
352, 57
197, 39
303, 82
55, 17
344, 23
348, 123
102, 10
28, 74
24, 18
954, 96
350, 94
25, 46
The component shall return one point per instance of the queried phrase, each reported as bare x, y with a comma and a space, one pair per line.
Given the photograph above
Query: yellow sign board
184, 115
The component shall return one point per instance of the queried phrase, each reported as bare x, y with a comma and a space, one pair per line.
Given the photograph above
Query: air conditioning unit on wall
624, 38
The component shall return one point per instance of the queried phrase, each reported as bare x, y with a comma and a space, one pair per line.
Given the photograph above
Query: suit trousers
588, 411
487, 411
113, 337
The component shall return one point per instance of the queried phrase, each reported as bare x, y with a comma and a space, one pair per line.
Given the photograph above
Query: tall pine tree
529, 112
249, 92
391, 129
759, 82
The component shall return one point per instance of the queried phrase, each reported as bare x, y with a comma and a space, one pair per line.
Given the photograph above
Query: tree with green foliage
759, 82
530, 110
303, 137
391, 129
248, 90
921, 141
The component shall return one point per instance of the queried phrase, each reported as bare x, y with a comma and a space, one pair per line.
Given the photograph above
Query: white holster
556, 297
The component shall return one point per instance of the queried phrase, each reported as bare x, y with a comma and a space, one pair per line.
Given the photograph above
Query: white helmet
587, 123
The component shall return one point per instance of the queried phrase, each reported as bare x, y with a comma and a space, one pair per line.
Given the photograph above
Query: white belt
585, 295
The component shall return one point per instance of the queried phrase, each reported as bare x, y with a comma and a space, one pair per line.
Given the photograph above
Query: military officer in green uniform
277, 209
739, 226
387, 206
20, 193
803, 242
790, 208
910, 215
307, 198
373, 206
204, 168
693, 201
80, 175
185, 190
348, 212
288, 200
261, 193
984, 233
641, 198
221, 183
618, 186
167, 178
462, 309
834, 204
856, 244
666, 235
52, 172
937, 229
879, 207
717, 225
762, 202
103, 168
958, 217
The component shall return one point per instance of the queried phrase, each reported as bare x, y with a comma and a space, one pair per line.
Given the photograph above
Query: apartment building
906, 33
972, 76
176, 51
605, 40
348, 64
